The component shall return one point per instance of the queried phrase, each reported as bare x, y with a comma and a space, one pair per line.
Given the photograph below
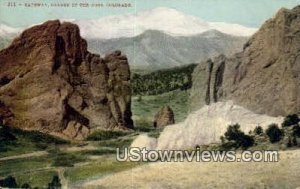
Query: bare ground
282, 174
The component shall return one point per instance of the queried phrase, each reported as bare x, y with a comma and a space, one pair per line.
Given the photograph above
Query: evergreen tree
296, 131
237, 138
295, 142
55, 183
6, 134
290, 120
161, 81
26, 186
258, 130
8, 182
289, 143
274, 133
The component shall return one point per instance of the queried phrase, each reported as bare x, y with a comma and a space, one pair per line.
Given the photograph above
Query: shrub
106, 135
292, 142
274, 133
237, 138
8, 182
6, 138
55, 183
139, 98
289, 143
290, 120
296, 131
228, 145
258, 130
6, 134
295, 142
26, 186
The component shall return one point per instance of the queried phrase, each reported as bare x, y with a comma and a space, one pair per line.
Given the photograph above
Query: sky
250, 13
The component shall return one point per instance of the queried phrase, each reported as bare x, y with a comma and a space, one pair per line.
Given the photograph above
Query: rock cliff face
51, 83
264, 77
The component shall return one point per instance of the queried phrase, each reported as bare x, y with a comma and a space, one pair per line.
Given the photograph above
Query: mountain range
156, 50
157, 38
168, 20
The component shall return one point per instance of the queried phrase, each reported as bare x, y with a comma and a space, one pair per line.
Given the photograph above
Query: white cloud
167, 20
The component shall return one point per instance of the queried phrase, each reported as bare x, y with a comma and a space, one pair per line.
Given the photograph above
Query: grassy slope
145, 109
78, 165
27, 142
97, 169
38, 171
34, 171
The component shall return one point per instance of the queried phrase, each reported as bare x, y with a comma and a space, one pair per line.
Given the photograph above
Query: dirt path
44, 153
33, 154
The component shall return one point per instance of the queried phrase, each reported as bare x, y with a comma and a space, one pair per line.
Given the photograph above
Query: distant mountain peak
156, 50
152, 33
167, 20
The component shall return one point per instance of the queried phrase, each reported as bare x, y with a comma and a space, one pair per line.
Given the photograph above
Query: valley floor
282, 174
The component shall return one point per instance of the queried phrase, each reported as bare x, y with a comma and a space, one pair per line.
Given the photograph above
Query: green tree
55, 183
289, 143
8, 182
258, 130
237, 138
139, 98
295, 142
162, 81
274, 133
6, 134
290, 120
296, 131
26, 186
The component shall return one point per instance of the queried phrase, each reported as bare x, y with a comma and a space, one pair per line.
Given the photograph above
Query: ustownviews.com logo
143, 155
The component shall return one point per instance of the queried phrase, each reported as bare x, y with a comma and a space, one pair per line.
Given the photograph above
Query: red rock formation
51, 83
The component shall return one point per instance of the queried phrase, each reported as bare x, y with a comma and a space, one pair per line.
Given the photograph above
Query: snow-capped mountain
157, 38
169, 21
